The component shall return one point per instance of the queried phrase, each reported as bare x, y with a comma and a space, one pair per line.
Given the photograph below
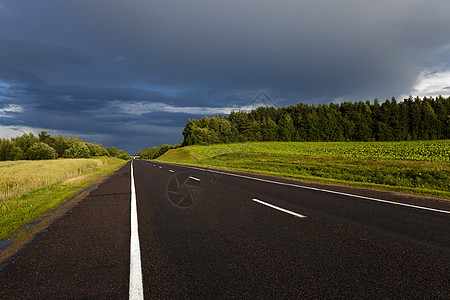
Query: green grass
418, 167
46, 194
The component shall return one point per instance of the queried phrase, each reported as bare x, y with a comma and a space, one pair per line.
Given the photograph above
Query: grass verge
43, 185
420, 168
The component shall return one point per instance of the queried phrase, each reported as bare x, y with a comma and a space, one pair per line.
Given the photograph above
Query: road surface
212, 234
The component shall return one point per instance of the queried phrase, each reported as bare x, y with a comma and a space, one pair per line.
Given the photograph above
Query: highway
206, 233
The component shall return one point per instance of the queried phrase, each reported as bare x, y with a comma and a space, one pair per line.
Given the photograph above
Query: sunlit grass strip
47, 190
334, 163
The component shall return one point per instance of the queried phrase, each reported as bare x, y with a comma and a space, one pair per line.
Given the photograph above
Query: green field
28, 189
416, 167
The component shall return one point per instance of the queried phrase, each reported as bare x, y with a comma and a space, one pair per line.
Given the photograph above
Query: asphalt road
210, 234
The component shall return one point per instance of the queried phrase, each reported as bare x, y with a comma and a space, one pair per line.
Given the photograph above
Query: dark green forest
44, 146
411, 119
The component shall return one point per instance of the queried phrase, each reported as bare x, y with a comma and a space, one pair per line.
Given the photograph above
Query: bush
112, 151
22, 148
96, 149
77, 150
16, 153
123, 155
5, 149
41, 150
60, 144
25, 141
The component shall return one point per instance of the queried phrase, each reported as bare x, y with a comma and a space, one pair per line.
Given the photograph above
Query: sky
130, 73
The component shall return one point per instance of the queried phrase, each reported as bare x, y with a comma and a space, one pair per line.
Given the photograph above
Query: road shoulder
86, 238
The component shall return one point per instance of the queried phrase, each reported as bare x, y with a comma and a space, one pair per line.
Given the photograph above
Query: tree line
31, 147
411, 119
157, 151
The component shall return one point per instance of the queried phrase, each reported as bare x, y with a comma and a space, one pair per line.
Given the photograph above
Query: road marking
279, 208
321, 190
171, 171
194, 178
136, 289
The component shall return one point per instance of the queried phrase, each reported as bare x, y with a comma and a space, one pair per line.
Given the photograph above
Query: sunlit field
30, 188
20, 177
411, 151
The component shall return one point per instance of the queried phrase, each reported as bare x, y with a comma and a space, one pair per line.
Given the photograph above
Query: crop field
20, 177
30, 188
416, 167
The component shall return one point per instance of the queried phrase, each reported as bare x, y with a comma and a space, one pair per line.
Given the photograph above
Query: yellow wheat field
20, 177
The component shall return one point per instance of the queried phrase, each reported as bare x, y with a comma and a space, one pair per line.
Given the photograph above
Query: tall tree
286, 129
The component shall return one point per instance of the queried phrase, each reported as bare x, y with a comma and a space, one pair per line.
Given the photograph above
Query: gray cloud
302, 47
78, 59
6, 12
24, 62
23, 54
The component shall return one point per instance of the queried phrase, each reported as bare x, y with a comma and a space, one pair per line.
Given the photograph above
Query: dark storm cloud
307, 48
303, 47
22, 62
129, 69
26, 55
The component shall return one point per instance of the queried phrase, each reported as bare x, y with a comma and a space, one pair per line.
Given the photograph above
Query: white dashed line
322, 190
194, 178
279, 208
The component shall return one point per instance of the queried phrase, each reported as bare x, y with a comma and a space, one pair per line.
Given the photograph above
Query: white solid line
136, 290
194, 178
322, 190
279, 208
